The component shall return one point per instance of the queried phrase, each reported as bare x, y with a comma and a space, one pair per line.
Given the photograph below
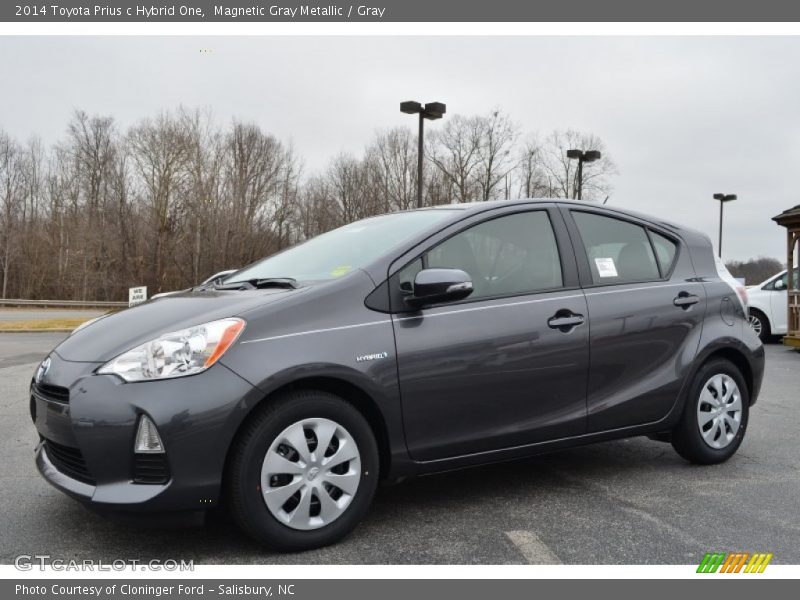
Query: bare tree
92, 149
11, 186
455, 150
532, 177
261, 177
394, 156
755, 270
32, 239
160, 150
204, 196
348, 184
177, 197
498, 135
562, 172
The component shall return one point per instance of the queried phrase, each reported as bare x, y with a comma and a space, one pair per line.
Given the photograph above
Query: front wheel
304, 471
715, 416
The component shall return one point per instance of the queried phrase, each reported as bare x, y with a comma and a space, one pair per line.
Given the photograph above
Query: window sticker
606, 267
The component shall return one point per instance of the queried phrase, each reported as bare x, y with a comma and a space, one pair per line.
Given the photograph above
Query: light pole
588, 156
431, 111
723, 198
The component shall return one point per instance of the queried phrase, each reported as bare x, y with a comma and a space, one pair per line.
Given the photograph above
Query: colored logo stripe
734, 562
758, 563
711, 562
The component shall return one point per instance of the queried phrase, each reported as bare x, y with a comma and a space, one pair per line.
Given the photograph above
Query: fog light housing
147, 439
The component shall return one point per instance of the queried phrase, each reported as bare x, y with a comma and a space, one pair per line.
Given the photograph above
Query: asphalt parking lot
624, 502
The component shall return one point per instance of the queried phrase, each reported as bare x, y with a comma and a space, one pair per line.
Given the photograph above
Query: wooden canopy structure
791, 220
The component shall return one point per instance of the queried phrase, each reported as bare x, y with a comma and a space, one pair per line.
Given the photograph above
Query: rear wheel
304, 471
760, 324
715, 416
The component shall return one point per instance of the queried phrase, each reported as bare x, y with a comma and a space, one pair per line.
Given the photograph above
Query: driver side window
514, 254
777, 285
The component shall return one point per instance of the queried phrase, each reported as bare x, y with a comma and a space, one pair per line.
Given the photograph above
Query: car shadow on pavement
408, 522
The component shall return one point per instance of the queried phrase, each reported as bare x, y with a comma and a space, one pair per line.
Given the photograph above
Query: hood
110, 336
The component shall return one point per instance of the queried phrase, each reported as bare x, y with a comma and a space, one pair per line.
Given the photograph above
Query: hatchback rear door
646, 309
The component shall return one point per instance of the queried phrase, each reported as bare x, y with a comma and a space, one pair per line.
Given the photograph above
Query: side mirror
432, 286
779, 285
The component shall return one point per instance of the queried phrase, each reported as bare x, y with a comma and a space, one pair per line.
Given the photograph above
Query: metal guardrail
62, 303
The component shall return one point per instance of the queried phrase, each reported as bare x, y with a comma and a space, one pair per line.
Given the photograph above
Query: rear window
666, 250
618, 251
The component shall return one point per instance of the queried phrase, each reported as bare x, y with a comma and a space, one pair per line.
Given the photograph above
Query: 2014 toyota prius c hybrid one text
399, 345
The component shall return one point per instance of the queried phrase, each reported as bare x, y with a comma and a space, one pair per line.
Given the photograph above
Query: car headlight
178, 353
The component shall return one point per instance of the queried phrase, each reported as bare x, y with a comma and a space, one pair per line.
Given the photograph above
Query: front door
508, 366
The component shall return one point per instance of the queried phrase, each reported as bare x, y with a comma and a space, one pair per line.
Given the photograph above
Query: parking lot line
535, 551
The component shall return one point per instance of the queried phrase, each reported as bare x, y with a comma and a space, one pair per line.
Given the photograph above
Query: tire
699, 446
263, 449
760, 324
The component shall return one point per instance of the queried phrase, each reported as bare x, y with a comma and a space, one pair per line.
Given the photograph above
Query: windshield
342, 250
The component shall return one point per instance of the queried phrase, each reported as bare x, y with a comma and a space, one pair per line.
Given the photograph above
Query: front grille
69, 461
150, 468
54, 393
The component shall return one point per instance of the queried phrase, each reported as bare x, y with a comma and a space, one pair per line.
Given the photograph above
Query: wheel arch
738, 359
347, 391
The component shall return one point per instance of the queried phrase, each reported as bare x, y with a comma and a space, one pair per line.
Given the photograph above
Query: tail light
742, 291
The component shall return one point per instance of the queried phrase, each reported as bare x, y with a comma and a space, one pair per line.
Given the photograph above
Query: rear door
501, 368
646, 311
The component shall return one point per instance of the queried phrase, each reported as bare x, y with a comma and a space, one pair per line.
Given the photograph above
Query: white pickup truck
767, 302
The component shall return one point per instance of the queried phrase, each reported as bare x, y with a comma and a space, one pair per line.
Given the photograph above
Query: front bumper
87, 439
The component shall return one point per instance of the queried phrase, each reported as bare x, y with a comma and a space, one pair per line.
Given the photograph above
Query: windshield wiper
260, 283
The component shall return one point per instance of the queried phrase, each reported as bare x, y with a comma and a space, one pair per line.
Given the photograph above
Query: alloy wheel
719, 411
310, 474
756, 324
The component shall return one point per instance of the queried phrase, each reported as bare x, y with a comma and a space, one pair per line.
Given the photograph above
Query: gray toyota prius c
400, 345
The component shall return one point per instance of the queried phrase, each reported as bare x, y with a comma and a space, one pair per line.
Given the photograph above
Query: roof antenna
606, 200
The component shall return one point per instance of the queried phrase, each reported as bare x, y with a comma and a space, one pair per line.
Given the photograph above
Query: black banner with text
401, 11
346, 589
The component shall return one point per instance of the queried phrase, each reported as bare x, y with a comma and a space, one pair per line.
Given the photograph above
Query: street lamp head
591, 155
724, 197
410, 107
434, 110
588, 156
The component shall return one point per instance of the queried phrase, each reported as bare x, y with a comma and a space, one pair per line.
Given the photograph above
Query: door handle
684, 300
564, 320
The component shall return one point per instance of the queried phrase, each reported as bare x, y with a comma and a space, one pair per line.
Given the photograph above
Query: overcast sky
682, 117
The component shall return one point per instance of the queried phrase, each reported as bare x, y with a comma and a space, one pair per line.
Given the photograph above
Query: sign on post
137, 295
